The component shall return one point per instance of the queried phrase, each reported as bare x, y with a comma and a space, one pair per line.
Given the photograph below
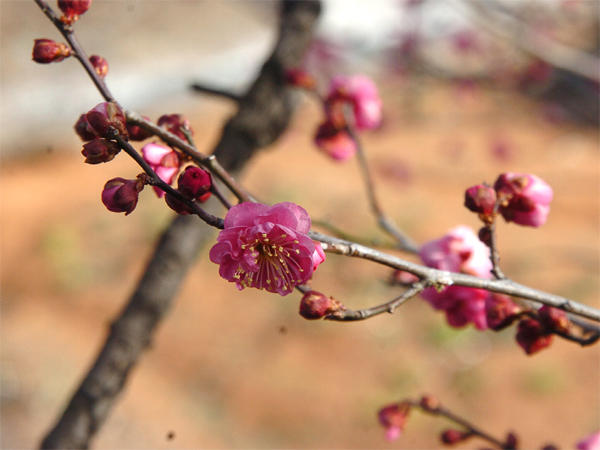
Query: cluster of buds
536, 333
520, 198
359, 95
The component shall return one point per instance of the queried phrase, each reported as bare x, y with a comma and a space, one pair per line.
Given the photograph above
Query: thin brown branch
346, 315
441, 278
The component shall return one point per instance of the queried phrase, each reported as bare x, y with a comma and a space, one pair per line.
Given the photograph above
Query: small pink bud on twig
315, 305
337, 143
173, 123
429, 403
481, 199
120, 195
46, 51
100, 65
107, 119
137, 133
72, 9
453, 436
100, 151
393, 418
83, 129
194, 182
177, 206
532, 336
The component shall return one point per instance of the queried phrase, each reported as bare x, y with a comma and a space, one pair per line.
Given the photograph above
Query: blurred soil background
230, 369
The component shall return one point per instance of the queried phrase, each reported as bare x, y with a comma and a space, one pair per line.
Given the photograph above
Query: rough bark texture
264, 112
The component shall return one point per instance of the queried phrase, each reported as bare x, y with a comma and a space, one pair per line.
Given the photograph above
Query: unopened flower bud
315, 305
404, 278
429, 403
83, 129
46, 51
100, 65
137, 133
525, 198
173, 123
393, 418
453, 436
512, 441
485, 235
194, 182
554, 319
532, 336
100, 151
481, 200
120, 195
501, 311
300, 78
72, 9
337, 143
107, 118
177, 206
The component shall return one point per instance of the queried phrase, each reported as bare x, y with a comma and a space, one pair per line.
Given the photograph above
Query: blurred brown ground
233, 369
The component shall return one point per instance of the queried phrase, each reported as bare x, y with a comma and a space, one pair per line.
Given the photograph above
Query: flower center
277, 269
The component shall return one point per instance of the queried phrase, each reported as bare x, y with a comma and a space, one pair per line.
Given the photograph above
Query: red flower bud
501, 311
177, 206
512, 441
315, 305
106, 118
393, 418
137, 133
83, 129
100, 151
120, 195
173, 123
100, 65
452, 436
553, 319
194, 182
46, 51
72, 9
429, 403
481, 199
532, 336
336, 142
300, 78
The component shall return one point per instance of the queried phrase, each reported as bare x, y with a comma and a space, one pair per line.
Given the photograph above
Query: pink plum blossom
164, 161
459, 251
591, 442
266, 247
362, 94
525, 198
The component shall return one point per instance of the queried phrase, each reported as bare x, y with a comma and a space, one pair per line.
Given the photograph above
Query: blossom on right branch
266, 247
524, 198
461, 251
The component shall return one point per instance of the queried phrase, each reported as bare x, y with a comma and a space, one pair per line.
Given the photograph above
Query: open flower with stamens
266, 247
